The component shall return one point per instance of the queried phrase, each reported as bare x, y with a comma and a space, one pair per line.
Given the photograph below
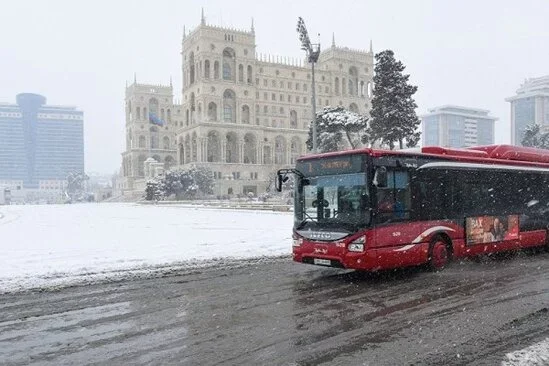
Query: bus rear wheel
439, 254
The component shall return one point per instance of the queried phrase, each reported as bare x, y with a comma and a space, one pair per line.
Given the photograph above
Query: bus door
394, 208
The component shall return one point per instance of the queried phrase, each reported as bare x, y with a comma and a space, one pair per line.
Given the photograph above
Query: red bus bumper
369, 260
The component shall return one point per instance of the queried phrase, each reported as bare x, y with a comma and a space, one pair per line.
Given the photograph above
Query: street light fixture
313, 51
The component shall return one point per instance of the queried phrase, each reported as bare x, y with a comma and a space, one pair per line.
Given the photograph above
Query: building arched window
166, 143
280, 150
250, 149
293, 119
153, 107
142, 142
336, 86
141, 165
213, 152
216, 70
249, 78
241, 73
193, 109
245, 114
138, 113
191, 68
231, 148
212, 112
353, 81
187, 150
154, 137
229, 103
169, 112
229, 63
343, 86
207, 69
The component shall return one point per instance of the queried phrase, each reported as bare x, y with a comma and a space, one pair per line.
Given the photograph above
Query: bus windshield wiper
306, 219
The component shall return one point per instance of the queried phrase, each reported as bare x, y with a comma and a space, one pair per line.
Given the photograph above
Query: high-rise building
529, 106
243, 115
455, 126
39, 144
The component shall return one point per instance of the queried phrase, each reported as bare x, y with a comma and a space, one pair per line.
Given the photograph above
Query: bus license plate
322, 262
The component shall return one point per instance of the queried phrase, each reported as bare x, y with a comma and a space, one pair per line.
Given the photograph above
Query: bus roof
500, 154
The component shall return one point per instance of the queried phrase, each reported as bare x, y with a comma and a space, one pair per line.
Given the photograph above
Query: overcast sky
470, 53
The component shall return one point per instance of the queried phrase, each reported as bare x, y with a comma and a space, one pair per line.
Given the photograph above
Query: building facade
145, 104
242, 115
530, 105
39, 144
455, 126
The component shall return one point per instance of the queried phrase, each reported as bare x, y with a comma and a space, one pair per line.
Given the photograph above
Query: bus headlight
297, 241
357, 245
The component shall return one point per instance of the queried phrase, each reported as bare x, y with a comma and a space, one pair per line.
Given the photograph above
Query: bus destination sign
332, 165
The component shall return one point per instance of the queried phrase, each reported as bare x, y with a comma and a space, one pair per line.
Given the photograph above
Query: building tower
247, 115
151, 122
530, 105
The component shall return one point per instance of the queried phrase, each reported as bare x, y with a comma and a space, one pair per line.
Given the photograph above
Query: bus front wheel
438, 254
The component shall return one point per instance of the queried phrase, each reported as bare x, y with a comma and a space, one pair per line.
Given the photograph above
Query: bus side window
433, 196
394, 201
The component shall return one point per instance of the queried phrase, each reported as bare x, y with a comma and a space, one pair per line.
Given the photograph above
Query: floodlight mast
313, 52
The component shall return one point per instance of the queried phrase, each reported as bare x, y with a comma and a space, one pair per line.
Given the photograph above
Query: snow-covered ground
535, 355
52, 245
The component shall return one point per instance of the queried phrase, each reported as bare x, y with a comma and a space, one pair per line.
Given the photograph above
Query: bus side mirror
279, 180
380, 177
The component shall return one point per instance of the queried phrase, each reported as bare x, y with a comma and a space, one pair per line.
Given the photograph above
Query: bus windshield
333, 201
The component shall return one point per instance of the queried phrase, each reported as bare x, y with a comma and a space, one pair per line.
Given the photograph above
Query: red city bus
372, 209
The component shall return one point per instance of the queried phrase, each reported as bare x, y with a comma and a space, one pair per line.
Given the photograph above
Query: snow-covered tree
75, 185
203, 178
533, 137
155, 190
338, 129
181, 183
394, 118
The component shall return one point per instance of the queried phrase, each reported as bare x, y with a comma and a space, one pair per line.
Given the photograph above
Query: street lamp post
313, 51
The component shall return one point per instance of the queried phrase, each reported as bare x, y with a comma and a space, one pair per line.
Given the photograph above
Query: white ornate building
242, 114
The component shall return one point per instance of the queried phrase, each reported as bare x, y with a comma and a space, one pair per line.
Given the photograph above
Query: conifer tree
394, 119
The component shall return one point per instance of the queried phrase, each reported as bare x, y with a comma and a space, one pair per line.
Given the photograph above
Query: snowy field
56, 245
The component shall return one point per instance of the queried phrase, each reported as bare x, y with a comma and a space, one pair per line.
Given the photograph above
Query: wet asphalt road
283, 313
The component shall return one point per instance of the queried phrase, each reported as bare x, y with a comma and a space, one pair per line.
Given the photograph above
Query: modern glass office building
529, 106
454, 126
39, 144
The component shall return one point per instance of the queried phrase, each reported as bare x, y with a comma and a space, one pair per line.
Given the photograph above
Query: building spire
253, 29
202, 18
171, 84
184, 32
135, 78
371, 48
333, 40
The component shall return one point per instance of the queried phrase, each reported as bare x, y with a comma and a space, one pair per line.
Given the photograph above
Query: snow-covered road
52, 245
